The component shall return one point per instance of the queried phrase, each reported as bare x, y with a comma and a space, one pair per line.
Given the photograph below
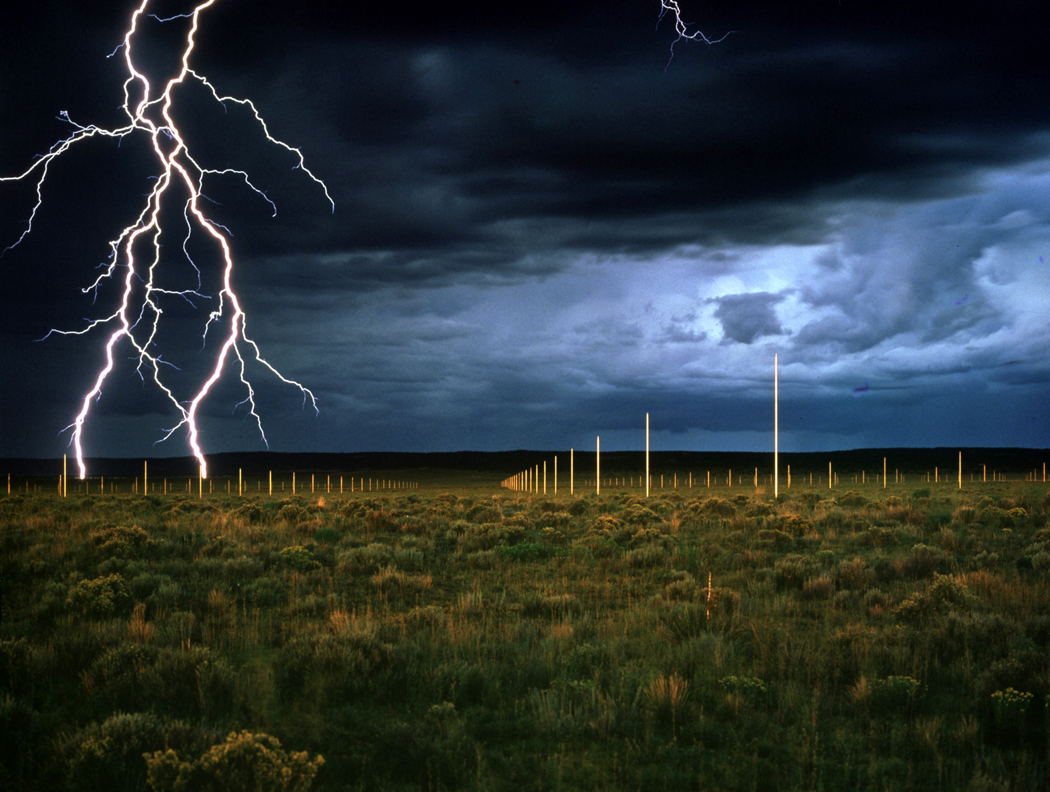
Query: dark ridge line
500, 464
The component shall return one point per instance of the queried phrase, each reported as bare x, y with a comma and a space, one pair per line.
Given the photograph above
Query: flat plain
460, 635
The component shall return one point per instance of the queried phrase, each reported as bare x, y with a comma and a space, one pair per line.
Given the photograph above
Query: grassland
476, 638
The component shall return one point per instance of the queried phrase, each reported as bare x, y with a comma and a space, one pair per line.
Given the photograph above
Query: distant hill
500, 464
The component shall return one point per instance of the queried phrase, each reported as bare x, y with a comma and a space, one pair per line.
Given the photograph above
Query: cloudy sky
544, 228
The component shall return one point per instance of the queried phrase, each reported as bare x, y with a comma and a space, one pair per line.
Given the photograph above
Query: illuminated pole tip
149, 111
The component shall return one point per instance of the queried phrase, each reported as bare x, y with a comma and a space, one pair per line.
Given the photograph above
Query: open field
479, 638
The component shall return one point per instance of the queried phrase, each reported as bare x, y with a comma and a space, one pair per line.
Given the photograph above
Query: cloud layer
540, 234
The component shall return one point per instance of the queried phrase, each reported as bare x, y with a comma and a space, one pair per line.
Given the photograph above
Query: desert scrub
99, 598
122, 542
894, 695
298, 558
791, 572
647, 556
352, 664
1009, 705
110, 755
944, 593
550, 606
246, 762
743, 691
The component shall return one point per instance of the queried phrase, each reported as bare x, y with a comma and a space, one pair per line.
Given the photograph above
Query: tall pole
647, 455
572, 471
597, 466
776, 429
64, 476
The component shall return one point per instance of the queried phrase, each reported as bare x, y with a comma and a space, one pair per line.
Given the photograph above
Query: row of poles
357, 484
529, 479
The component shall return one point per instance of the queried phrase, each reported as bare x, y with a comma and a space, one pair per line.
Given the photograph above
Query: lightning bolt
682, 28
137, 318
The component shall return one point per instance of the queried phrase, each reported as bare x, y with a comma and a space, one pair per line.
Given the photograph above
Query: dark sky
542, 229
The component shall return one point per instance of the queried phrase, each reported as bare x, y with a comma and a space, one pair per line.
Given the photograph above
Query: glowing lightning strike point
152, 116
682, 28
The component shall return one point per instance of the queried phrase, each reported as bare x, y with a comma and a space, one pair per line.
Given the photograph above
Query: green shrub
719, 507
122, 542
852, 499
333, 667
942, 594
100, 597
251, 513
245, 568
299, 559
550, 606
790, 573
381, 521
778, 539
647, 556
683, 622
246, 762
820, 588
184, 682
895, 694
110, 755
293, 514
328, 535
265, 592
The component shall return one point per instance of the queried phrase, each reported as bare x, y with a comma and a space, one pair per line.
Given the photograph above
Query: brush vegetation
699, 638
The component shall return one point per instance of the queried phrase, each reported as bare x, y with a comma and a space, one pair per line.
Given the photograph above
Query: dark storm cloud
540, 232
745, 317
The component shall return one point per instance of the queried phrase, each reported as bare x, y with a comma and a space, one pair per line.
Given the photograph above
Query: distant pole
776, 427
555, 474
884, 472
145, 483
647, 455
240, 482
544, 476
597, 466
960, 470
572, 471
271, 483
64, 475
829, 475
